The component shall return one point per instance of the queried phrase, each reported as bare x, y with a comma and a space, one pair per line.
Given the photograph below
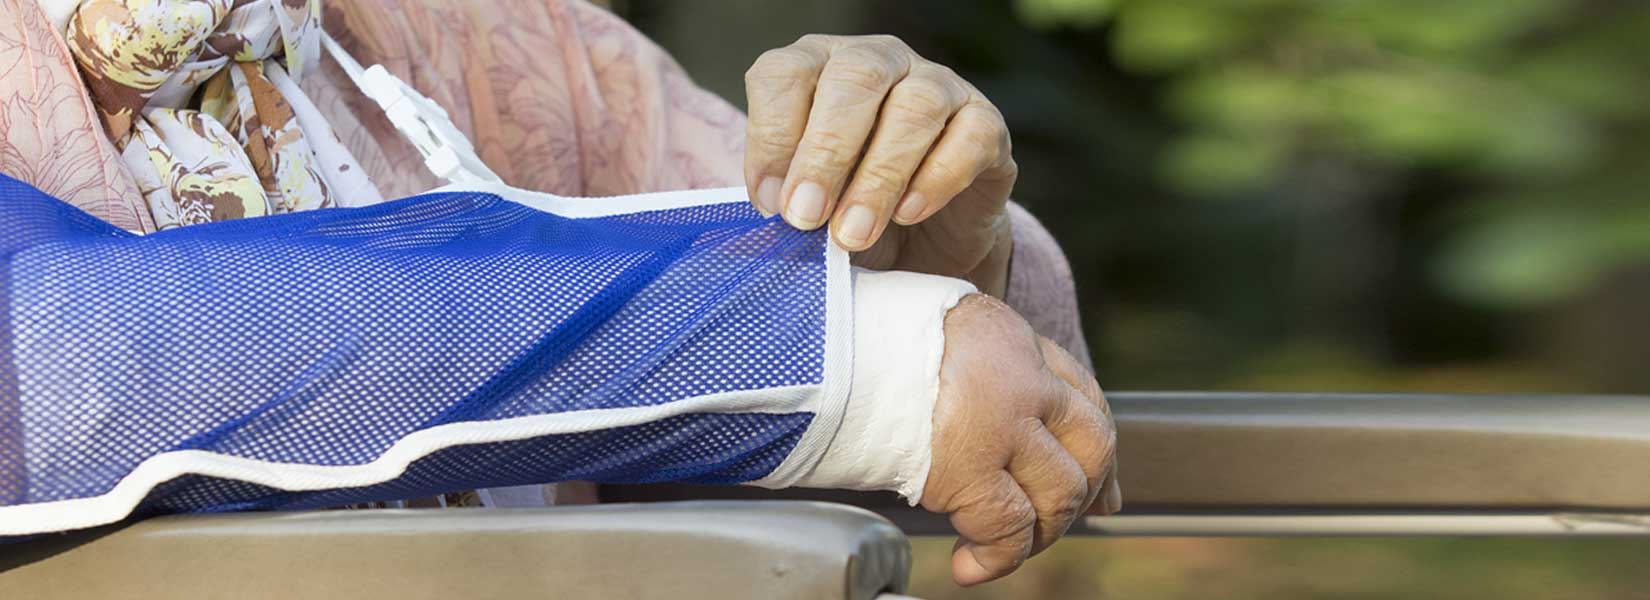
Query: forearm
431, 344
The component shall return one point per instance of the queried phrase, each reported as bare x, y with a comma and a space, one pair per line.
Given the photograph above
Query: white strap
446, 151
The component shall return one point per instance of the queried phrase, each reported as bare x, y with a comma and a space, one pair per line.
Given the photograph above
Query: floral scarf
201, 99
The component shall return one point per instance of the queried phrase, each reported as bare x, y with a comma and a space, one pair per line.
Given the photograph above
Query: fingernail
807, 207
910, 208
767, 195
856, 226
1114, 498
967, 570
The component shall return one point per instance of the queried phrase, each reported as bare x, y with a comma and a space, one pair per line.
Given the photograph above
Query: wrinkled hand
860, 130
1023, 441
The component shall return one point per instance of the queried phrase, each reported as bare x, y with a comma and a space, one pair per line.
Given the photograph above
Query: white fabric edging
837, 379
605, 206
60, 515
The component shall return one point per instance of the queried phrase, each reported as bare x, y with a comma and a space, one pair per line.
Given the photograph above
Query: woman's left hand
909, 163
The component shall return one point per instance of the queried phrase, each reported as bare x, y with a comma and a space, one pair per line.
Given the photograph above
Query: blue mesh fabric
322, 338
698, 448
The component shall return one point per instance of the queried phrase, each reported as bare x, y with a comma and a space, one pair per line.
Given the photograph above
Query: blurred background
1351, 195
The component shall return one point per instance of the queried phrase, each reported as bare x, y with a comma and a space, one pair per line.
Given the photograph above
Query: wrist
883, 441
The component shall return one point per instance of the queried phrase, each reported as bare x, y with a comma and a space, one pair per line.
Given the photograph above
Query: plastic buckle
447, 152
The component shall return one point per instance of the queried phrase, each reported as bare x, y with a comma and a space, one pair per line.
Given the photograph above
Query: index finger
779, 91
847, 99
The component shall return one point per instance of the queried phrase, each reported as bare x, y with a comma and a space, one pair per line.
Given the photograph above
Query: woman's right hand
1023, 441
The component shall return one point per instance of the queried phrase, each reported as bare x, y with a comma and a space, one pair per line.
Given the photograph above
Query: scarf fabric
202, 101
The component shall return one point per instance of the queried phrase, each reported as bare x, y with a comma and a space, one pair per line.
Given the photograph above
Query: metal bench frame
1203, 464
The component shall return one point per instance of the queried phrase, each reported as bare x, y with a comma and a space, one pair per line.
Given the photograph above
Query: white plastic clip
447, 152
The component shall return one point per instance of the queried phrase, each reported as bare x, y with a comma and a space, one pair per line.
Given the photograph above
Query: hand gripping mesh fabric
448, 341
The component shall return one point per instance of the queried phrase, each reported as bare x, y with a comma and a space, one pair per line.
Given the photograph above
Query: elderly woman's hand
861, 130
1023, 441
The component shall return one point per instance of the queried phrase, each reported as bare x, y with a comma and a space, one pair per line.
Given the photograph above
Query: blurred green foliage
1542, 103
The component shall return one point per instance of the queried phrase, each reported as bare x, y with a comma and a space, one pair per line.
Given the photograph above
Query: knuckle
778, 63
911, 120
945, 72
1086, 386
1102, 435
1093, 458
1010, 169
889, 43
828, 150
1018, 520
944, 173
1094, 436
1107, 431
878, 180
1108, 449
1069, 503
987, 122
860, 70
1105, 408
770, 140
932, 100
1086, 398
1012, 516
984, 138
1091, 391
1099, 452
775, 127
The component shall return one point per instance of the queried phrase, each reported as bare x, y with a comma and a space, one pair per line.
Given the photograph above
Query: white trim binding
117, 503
602, 206
837, 378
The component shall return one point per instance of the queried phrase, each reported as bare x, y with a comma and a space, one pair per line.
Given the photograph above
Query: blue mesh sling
471, 339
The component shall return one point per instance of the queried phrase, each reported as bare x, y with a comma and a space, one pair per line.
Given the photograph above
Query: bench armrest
679, 550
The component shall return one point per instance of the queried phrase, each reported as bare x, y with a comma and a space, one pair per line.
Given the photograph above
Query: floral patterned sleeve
50, 136
558, 96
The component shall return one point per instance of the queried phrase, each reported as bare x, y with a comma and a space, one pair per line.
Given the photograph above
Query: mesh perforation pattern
326, 338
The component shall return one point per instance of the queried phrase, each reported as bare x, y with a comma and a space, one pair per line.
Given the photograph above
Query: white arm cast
899, 342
